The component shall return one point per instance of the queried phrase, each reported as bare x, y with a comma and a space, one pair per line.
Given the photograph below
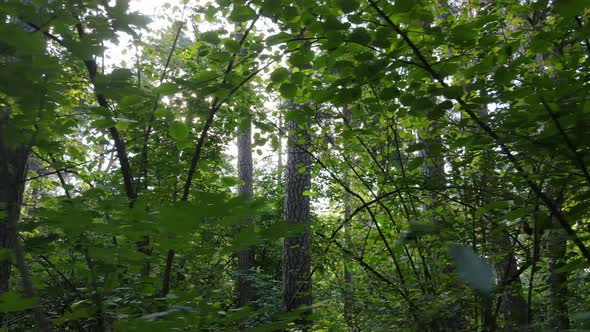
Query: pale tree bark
246, 257
296, 249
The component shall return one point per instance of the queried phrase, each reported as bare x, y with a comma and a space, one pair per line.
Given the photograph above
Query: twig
563, 221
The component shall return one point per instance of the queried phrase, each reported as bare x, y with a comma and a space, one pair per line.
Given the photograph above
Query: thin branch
167, 273
579, 159
205, 131
144, 150
115, 135
64, 169
563, 220
216, 105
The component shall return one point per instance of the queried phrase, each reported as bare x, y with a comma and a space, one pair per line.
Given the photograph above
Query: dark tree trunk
296, 249
556, 253
13, 168
246, 257
513, 303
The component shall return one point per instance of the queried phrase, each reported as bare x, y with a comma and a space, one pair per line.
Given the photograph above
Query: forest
302, 165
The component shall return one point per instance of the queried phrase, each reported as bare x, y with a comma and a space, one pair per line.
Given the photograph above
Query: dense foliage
419, 165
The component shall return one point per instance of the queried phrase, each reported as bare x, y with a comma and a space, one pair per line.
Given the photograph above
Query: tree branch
490, 132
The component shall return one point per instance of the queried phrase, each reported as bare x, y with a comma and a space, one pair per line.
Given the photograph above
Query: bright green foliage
454, 133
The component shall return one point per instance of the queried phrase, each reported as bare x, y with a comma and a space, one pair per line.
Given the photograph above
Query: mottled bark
246, 257
296, 249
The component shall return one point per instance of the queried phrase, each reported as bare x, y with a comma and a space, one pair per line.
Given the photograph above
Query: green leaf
166, 89
415, 163
360, 35
211, 37
491, 206
12, 301
445, 105
103, 123
576, 265
231, 45
271, 7
204, 77
389, 93
571, 8
515, 214
288, 90
348, 6
178, 131
242, 13
452, 92
301, 169
302, 58
403, 6
279, 75
347, 96
278, 38
503, 75
472, 268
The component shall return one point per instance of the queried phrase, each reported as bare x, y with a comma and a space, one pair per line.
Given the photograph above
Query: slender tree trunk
246, 257
556, 252
280, 152
434, 178
348, 286
296, 249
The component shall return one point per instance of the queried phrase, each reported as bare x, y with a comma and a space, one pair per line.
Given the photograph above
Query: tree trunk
280, 139
296, 249
348, 287
513, 303
556, 253
13, 168
246, 286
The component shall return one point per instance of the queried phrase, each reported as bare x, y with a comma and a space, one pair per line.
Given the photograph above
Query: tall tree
348, 297
246, 257
558, 287
297, 249
23, 87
